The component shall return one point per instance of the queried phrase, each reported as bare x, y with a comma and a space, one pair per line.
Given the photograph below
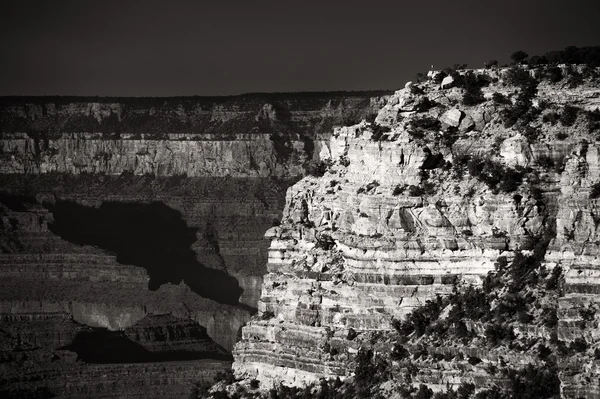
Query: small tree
420, 77
490, 64
569, 115
519, 57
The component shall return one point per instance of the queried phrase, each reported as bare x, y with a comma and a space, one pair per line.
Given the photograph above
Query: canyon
442, 235
132, 242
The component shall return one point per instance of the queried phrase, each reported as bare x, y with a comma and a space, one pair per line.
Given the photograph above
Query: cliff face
114, 210
424, 201
245, 136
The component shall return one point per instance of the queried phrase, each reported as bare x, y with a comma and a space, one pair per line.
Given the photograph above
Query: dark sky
170, 47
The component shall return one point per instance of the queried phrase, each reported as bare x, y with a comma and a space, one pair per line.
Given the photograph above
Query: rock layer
395, 221
216, 169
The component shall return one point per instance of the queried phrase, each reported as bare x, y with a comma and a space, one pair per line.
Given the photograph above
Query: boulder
466, 124
451, 117
481, 117
516, 151
447, 82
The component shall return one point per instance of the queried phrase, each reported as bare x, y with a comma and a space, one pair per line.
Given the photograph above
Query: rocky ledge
485, 184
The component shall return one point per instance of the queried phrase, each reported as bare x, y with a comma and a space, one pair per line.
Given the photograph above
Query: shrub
575, 80
416, 134
501, 99
267, 315
496, 333
552, 282
344, 161
414, 191
595, 191
523, 271
524, 317
519, 57
399, 189
420, 318
537, 60
544, 352
379, 132
587, 314
593, 120
199, 390
368, 372
490, 64
474, 360
520, 78
553, 74
470, 304
374, 184
473, 85
450, 136
318, 169
550, 318
226, 376
465, 390
437, 79
424, 392
569, 115
425, 123
494, 175
561, 136
546, 162
425, 105
433, 161
551, 118
534, 382
420, 77
531, 133
351, 334
523, 110
325, 242
399, 352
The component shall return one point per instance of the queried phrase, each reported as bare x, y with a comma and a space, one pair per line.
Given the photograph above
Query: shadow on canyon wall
149, 235
16, 202
104, 346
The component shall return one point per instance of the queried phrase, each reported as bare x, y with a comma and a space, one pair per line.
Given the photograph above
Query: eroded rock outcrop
425, 200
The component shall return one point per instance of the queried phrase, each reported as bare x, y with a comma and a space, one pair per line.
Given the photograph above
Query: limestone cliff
449, 184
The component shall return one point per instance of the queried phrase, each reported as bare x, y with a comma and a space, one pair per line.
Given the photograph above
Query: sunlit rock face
114, 211
395, 221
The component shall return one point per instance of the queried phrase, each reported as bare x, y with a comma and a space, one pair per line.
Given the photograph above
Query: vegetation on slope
473, 320
500, 338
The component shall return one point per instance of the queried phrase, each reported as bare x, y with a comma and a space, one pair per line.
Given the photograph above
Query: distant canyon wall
224, 164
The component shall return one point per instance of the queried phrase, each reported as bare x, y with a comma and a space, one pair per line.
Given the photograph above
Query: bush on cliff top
495, 175
473, 84
522, 111
589, 56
